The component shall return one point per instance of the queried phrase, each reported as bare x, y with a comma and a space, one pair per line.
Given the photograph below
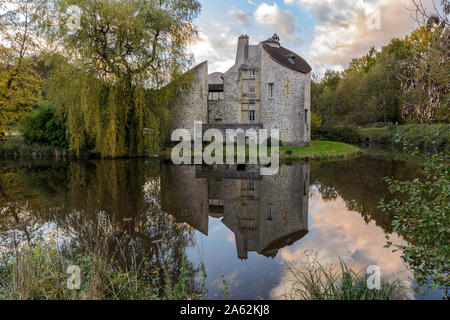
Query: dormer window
291, 59
275, 38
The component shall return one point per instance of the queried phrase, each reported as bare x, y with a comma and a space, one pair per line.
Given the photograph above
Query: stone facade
193, 104
268, 87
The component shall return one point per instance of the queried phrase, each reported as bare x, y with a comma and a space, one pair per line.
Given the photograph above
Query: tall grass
40, 273
316, 282
111, 268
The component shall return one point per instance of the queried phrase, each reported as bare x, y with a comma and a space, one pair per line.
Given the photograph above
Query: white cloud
281, 21
343, 32
240, 17
219, 48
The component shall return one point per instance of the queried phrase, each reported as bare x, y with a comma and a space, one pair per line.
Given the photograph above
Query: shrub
344, 133
423, 219
425, 137
44, 127
316, 124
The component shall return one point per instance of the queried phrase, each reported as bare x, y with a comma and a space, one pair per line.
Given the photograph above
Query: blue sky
328, 33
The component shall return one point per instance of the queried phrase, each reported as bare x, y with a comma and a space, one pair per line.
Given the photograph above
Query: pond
249, 228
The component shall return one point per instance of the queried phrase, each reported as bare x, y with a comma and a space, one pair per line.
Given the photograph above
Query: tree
426, 74
112, 72
20, 82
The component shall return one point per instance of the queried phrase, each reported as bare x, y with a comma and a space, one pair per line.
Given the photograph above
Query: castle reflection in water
265, 213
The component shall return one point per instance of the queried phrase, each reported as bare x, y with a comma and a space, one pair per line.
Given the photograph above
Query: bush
425, 137
44, 127
423, 219
345, 134
316, 124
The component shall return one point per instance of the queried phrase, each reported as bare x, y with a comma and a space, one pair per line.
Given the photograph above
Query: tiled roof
288, 58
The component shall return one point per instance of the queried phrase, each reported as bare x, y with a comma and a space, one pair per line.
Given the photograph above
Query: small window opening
252, 115
185, 87
271, 93
269, 214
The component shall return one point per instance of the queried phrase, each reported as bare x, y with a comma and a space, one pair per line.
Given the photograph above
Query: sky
327, 33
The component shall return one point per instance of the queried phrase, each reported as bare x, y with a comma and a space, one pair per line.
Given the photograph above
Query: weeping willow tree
112, 70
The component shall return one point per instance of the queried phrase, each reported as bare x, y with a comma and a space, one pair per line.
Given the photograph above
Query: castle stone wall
193, 105
285, 111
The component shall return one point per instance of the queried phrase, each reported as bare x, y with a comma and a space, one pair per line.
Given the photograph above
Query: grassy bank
372, 133
319, 150
15, 147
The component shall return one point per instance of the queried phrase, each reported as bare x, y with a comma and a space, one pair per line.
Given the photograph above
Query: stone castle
267, 88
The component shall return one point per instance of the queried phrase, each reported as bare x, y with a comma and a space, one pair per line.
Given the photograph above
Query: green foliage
15, 147
20, 88
20, 81
39, 273
223, 286
319, 150
316, 123
344, 133
372, 88
315, 282
112, 73
427, 138
423, 219
44, 127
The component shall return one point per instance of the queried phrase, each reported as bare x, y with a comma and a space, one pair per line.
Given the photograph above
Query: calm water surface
247, 227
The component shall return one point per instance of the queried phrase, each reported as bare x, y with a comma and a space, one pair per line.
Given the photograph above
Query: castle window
252, 74
306, 116
185, 86
251, 185
271, 92
269, 214
252, 95
292, 59
252, 115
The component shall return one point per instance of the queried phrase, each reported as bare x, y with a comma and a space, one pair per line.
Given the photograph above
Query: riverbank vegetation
421, 216
45, 272
319, 150
426, 138
313, 281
